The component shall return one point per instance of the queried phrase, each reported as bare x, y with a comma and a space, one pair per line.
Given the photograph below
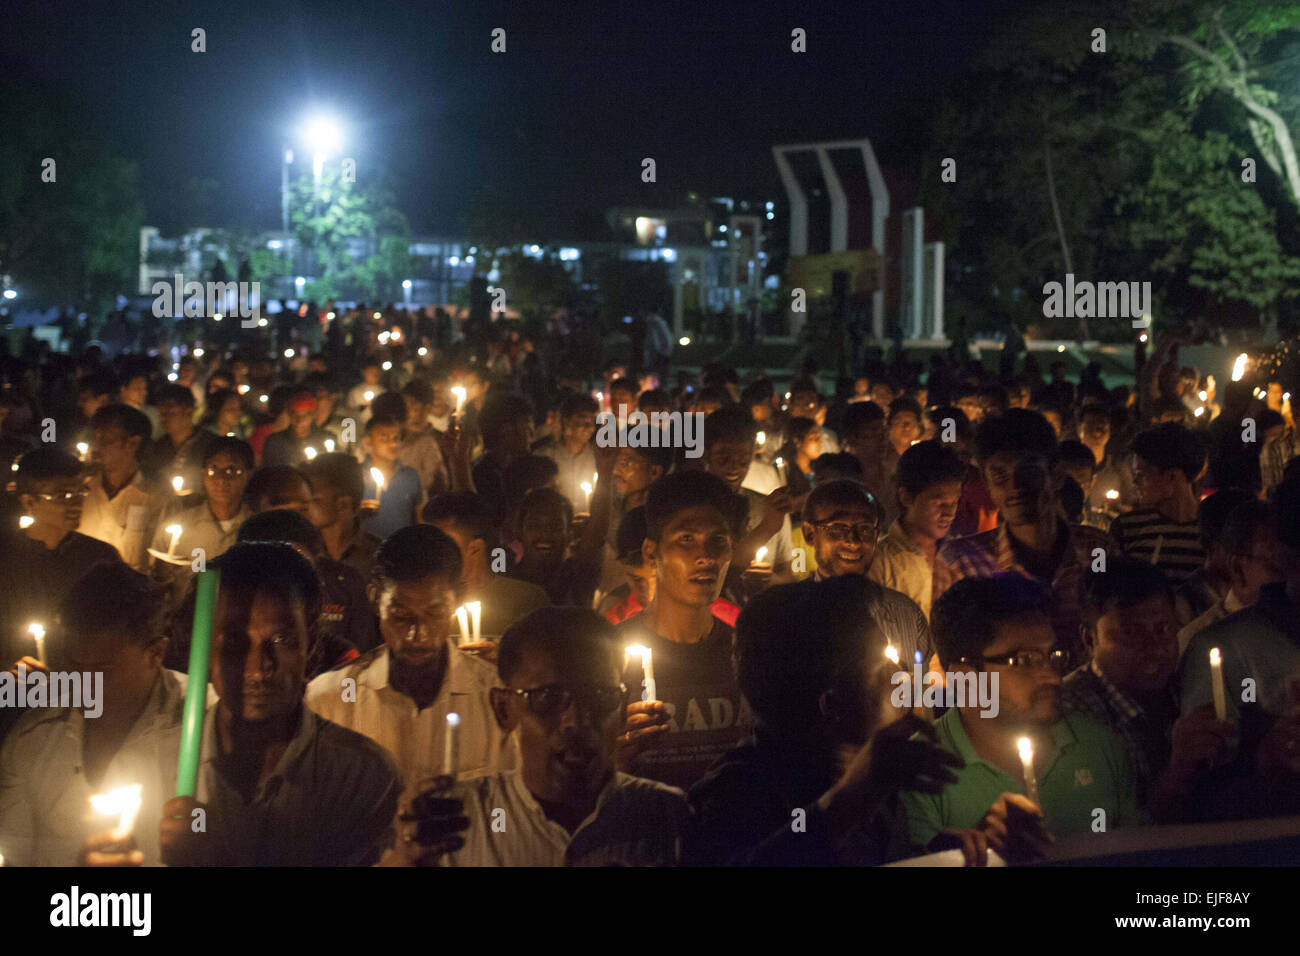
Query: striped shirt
1172, 546
993, 552
900, 621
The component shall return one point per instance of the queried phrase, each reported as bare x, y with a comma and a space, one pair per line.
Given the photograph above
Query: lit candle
462, 618
1216, 685
892, 653
26, 521
1027, 762
124, 803
175, 531
38, 632
780, 469
329, 444
1112, 495
586, 490
178, 483
459, 392
476, 620
451, 748
762, 438
759, 555
647, 666
369, 395
243, 389
378, 477
83, 450
309, 452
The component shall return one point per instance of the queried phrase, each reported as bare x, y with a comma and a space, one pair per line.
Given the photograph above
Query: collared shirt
44, 793
1086, 769
900, 621
573, 471
1260, 642
1148, 735
1173, 546
506, 600
1228, 604
200, 528
899, 564
360, 552
126, 520
330, 801
416, 738
636, 822
421, 452
993, 552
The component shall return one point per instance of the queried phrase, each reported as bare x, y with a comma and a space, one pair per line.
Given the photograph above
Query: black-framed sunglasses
1056, 659
551, 700
838, 531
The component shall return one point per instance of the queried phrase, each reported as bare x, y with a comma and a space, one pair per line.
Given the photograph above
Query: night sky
559, 122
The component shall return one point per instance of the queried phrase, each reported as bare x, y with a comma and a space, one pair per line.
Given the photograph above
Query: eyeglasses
234, 471
63, 497
1056, 660
554, 699
838, 531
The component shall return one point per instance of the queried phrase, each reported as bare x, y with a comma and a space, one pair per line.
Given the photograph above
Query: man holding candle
1128, 685
572, 451
700, 714
399, 695
467, 520
183, 445
43, 560
279, 785
400, 496
289, 446
1000, 628
566, 805
56, 758
211, 525
123, 506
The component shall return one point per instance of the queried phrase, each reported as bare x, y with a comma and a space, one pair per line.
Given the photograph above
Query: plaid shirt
1147, 736
991, 552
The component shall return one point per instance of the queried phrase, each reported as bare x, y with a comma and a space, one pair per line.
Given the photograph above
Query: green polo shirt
1087, 768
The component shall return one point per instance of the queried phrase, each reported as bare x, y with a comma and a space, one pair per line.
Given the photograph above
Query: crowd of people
673, 658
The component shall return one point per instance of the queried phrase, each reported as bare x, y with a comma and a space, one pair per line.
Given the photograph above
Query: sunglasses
552, 700
63, 497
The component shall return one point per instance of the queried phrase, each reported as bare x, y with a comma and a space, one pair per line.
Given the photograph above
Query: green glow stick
196, 691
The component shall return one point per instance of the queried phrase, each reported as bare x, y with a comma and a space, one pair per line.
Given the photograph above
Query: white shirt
780, 547
44, 794
127, 520
416, 738
637, 822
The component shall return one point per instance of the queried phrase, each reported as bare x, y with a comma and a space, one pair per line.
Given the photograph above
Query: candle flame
453, 719
36, 630
378, 476
173, 529
178, 483
26, 521
1026, 748
329, 444
760, 554
586, 487
124, 802
892, 653
762, 438
1112, 494
1215, 657
309, 452
1239, 367
82, 447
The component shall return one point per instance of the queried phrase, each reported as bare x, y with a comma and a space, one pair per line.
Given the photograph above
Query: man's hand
180, 845
1200, 740
433, 825
104, 850
974, 845
775, 507
647, 722
889, 763
32, 665
1014, 827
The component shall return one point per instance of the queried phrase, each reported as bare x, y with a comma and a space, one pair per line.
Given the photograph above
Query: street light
323, 135
406, 293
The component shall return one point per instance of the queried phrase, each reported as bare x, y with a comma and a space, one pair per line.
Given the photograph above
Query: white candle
780, 469
124, 803
647, 666
459, 392
476, 620
1216, 685
177, 484
451, 748
378, 477
760, 554
175, 531
462, 618
1027, 762
82, 450
38, 632
586, 490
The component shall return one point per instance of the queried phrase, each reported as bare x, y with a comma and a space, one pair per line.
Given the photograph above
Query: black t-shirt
697, 682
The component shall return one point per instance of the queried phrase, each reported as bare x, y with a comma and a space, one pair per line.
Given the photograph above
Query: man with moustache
278, 785
566, 805
698, 713
999, 628
1017, 453
841, 520
399, 695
